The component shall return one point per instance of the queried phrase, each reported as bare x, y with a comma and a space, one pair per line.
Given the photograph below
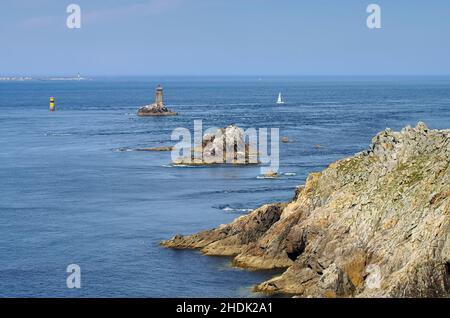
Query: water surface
70, 194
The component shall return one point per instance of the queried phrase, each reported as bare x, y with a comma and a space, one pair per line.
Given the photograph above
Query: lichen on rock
373, 225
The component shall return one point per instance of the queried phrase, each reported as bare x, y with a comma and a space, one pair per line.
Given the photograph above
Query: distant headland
78, 77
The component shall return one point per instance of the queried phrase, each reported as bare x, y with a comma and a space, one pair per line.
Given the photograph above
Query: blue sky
225, 37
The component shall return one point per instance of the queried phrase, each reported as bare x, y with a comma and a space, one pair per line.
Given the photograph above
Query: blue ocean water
70, 192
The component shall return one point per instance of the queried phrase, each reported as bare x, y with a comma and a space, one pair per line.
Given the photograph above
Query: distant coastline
30, 78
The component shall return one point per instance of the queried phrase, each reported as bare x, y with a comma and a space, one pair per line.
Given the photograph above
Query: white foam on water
229, 209
58, 135
122, 149
265, 177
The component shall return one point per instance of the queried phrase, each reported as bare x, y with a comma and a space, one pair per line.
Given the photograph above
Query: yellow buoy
52, 104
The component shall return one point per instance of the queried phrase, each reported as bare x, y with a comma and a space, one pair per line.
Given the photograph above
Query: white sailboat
280, 100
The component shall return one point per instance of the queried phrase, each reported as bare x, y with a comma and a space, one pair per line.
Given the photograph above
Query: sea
74, 190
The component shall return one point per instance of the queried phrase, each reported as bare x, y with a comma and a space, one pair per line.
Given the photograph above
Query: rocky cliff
373, 225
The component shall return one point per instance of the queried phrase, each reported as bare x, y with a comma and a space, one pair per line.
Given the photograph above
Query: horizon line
221, 75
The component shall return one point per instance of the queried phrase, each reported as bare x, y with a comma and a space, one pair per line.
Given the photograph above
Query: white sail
280, 100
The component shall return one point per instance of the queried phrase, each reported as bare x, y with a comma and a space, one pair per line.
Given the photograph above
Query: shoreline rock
375, 224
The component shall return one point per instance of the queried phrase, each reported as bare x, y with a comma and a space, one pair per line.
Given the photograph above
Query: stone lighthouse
157, 108
159, 96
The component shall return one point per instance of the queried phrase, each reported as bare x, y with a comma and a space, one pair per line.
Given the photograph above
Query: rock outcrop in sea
376, 224
157, 108
225, 146
162, 148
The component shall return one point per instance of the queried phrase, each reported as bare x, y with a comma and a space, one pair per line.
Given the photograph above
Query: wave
286, 174
123, 149
266, 177
246, 190
231, 209
184, 166
58, 134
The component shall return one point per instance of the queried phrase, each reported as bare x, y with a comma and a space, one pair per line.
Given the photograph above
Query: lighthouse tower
157, 108
159, 96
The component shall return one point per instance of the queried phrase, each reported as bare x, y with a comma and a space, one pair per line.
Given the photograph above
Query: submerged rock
163, 148
271, 174
373, 225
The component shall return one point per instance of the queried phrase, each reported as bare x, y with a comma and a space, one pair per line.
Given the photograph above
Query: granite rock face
376, 224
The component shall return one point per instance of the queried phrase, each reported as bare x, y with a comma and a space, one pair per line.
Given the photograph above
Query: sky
224, 37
